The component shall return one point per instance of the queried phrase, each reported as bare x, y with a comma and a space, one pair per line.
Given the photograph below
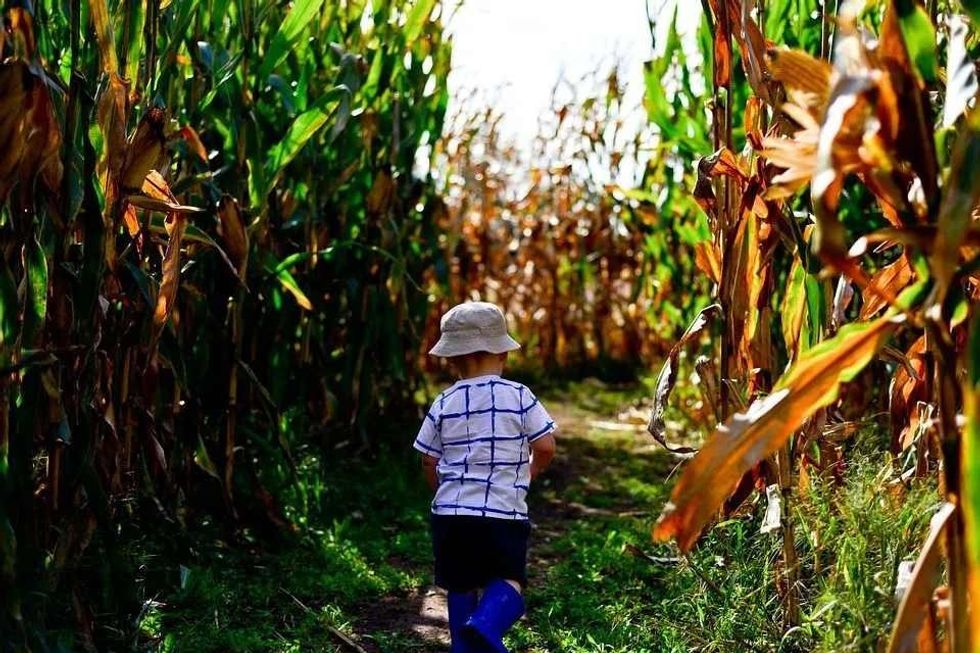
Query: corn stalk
862, 118
194, 196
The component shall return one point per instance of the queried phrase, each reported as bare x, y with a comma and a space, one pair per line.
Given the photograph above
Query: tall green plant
888, 204
212, 221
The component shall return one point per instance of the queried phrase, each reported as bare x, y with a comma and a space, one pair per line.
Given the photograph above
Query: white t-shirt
481, 429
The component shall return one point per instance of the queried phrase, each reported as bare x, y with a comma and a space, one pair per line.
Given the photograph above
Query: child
482, 442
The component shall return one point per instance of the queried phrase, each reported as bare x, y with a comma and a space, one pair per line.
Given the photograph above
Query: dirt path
593, 442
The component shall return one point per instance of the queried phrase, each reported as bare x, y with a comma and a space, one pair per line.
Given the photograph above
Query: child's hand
542, 451
429, 464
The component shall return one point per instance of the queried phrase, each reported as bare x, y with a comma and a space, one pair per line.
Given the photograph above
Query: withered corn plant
593, 275
844, 220
210, 229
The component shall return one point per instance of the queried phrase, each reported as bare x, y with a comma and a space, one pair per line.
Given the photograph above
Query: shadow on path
413, 622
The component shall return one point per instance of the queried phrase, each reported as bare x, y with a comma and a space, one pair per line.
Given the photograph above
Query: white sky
513, 51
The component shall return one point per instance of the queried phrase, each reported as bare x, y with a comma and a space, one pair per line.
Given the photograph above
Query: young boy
482, 442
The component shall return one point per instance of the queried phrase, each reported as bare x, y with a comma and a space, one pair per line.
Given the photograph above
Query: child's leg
501, 605
460, 606
502, 602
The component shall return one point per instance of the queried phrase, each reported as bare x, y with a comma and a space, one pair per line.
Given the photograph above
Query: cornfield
210, 227
841, 193
228, 228
593, 273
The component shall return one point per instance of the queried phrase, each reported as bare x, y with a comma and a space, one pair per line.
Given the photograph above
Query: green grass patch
598, 582
597, 593
366, 536
853, 541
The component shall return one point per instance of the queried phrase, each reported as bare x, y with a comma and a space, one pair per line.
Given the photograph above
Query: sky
513, 51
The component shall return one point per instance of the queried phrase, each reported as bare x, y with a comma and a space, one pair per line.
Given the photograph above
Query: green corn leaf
299, 257
8, 314
816, 312
223, 76
914, 295
291, 260
920, 39
287, 280
962, 191
258, 187
282, 87
203, 460
288, 36
794, 308
300, 132
657, 103
219, 9
970, 459
37, 291
179, 21
417, 18
374, 74
289, 283
135, 17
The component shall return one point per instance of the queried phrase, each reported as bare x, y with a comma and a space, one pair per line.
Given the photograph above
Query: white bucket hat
472, 327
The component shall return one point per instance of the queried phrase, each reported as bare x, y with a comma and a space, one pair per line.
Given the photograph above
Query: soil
420, 617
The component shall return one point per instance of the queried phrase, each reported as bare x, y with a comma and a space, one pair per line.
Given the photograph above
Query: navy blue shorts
472, 551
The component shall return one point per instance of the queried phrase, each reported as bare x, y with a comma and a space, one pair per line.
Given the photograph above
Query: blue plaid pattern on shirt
481, 429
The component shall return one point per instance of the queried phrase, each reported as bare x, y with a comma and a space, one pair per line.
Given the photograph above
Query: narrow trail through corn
593, 443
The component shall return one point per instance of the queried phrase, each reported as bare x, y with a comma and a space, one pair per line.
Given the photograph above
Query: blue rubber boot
499, 609
460, 606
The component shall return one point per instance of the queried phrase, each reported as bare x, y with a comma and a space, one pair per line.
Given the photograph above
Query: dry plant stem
71, 109
947, 391
354, 646
710, 584
127, 458
791, 562
925, 444
336, 632
4, 415
232, 417
824, 30
684, 558
722, 133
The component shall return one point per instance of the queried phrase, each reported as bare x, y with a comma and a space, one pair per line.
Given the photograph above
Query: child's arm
539, 426
429, 444
542, 451
429, 468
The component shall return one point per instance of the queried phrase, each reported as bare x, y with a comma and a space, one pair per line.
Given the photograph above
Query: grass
723, 597
598, 583
603, 585
854, 539
366, 539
